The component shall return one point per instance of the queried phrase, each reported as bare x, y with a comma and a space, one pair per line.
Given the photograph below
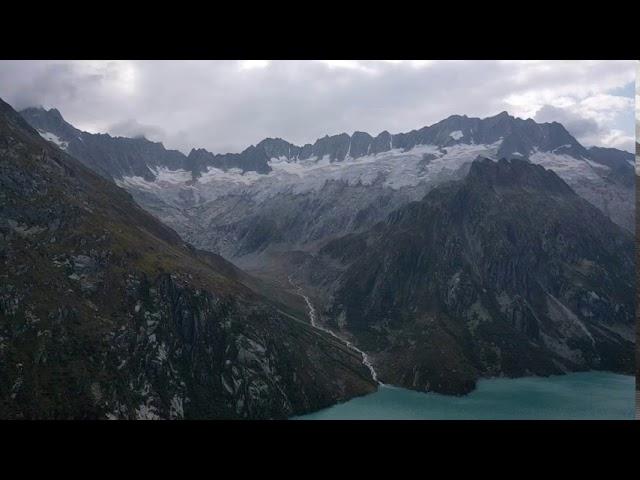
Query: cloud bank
225, 106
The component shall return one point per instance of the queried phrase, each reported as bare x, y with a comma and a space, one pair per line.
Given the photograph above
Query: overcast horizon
225, 106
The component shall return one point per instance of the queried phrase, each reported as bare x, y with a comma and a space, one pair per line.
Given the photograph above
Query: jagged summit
502, 114
518, 137
48, 120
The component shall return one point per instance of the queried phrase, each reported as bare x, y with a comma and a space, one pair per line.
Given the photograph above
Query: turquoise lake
576, 396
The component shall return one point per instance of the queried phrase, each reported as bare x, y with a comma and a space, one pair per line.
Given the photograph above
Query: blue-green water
587, 395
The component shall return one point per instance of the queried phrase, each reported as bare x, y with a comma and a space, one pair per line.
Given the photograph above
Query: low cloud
595, 120
132, 128
577, 125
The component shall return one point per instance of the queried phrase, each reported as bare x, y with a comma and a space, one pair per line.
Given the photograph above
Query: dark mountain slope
637, 278
106, 313
111, 157
507, 272
620, 162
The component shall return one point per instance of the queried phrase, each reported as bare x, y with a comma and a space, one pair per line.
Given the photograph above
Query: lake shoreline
575, 395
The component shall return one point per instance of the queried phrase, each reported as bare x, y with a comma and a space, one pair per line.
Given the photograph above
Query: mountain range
113, 156
400, 168
470, 248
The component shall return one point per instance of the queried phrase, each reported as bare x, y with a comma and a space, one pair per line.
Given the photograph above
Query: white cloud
593, 119
619, 139
133, 129
253, 64
353, 65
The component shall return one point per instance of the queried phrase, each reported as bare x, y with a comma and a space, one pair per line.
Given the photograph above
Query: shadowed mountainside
507, 272
107, 313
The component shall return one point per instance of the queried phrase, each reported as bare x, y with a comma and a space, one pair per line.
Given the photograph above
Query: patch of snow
233, 176
164, 175
569, 168
457, 135
561, 146
53, 138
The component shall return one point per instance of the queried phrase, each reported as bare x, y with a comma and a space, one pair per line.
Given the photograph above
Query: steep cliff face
507, 272
106, 313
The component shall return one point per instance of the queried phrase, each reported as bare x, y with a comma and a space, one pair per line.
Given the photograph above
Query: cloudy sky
225, 106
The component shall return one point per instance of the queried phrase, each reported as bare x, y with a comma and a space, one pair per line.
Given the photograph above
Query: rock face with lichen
107, 313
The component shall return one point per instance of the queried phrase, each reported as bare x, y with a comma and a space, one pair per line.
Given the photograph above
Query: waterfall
313, 318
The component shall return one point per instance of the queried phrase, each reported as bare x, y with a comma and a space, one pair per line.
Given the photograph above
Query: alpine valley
140, 282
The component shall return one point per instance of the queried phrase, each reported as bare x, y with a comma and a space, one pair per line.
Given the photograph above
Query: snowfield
394, 169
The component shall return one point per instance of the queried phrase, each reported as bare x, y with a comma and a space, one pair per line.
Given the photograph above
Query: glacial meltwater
576, 396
